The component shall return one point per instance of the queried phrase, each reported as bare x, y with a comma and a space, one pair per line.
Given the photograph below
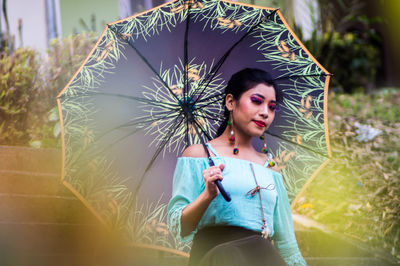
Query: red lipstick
259, 123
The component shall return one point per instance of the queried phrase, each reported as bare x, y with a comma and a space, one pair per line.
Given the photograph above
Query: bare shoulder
195, 150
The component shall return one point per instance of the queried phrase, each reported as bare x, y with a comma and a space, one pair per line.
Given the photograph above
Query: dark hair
242, 81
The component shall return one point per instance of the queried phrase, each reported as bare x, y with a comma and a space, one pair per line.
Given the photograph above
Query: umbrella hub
187, 104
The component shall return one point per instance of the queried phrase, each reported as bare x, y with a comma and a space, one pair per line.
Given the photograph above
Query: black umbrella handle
221, 188
224, 194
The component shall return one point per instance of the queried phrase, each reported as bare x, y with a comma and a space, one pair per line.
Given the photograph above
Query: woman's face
255, 110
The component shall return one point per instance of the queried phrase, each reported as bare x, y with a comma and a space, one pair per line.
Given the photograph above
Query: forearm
193, 212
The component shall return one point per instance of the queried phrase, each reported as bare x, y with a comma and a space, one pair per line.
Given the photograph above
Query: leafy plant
19, 82
345, 37
29, 85
62, 60
357, 193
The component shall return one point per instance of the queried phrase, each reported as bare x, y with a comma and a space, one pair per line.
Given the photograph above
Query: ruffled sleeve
187, 186
284, 237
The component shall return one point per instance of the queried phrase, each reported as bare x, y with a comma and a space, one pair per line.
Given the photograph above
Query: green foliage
64, 57
29, 85
86, 27
383, 105
338, 15
353, 60
360, 57
345, 42
19, 84
357, 193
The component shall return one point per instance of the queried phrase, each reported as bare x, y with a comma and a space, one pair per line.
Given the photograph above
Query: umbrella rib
297, 144
204, 132
99, 152
185, 56
109, 146
187, 132
212, 97
105, 133
158, 151
147, 62
186, 69
225, 56
204, 145
147, 101
209, 103
138, 121
210, 115
202, 140
302, 76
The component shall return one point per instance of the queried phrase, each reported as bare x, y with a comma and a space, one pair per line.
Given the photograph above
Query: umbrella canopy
153, 85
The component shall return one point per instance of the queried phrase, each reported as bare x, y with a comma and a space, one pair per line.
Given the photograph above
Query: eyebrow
261, 96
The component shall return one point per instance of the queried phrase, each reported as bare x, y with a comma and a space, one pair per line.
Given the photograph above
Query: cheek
272, 115
243, 109
243, 106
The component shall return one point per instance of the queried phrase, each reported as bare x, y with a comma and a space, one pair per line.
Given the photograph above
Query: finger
210, 170
221, 166
216, 170
215, 178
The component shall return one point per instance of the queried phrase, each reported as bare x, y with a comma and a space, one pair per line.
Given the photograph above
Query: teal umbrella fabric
153, 85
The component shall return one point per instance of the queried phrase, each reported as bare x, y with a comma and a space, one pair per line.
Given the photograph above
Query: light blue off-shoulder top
243, 210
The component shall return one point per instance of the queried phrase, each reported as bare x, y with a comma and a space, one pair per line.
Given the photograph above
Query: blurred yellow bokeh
390, 9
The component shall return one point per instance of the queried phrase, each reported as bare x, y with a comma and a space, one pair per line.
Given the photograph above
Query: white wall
33, 15
306, 15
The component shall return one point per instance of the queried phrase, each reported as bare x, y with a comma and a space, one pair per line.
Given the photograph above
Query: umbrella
153, 85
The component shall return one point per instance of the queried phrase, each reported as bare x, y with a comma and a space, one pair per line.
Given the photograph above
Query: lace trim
291, 255
295, 260
175, 225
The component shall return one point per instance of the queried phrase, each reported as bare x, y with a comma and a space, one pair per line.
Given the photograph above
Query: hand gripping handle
224, 194
221, 188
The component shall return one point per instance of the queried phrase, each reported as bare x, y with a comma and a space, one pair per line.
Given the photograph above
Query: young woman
238, 232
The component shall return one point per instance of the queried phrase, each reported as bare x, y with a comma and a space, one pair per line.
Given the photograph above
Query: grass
358, 192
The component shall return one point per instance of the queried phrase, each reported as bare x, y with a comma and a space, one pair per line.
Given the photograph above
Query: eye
273, 107
256, 100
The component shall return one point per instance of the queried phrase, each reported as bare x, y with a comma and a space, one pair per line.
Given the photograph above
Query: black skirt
231, 245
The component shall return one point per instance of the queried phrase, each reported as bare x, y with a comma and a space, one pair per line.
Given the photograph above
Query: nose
264, 112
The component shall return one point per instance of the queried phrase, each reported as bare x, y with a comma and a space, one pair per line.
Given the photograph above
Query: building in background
35, 22
27, 22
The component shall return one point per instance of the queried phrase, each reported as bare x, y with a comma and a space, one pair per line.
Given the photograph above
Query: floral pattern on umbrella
148, 92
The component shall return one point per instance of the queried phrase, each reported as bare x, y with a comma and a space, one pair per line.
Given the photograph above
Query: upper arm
195, 150
187, 185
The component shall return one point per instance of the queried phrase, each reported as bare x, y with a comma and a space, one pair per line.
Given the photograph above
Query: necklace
264, 229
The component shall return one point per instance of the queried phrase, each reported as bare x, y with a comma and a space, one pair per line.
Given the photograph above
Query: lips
259, 123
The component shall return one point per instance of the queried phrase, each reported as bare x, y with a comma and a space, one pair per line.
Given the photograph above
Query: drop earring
265, 150
232, 136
